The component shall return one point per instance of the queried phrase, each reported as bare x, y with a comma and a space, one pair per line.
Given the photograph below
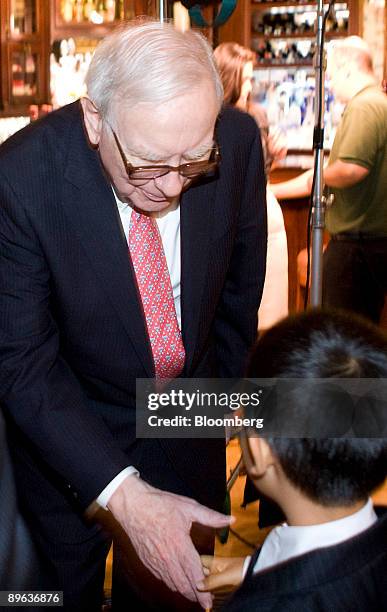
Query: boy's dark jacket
348, 577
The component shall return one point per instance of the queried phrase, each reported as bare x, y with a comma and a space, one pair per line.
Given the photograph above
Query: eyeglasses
191, 170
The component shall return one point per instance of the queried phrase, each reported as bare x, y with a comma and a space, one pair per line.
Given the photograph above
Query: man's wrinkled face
176, 132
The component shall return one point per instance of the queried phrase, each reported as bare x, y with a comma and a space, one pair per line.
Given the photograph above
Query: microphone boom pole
318, 199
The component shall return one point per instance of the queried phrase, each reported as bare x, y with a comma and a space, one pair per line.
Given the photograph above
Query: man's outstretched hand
158, 525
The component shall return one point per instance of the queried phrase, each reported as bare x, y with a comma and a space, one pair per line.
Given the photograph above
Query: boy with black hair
331, 553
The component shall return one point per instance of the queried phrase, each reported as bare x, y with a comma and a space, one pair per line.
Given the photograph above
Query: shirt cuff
105, 495
245, 566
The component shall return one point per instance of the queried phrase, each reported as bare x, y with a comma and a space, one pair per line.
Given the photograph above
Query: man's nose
171, 184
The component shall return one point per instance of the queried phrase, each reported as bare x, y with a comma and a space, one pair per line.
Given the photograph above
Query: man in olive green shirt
361, 141
355, 262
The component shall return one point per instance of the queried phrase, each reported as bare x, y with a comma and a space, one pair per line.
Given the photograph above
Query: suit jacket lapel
91, 208
197, 206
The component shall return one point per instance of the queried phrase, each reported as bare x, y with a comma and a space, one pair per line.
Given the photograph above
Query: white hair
351, 49
149, 62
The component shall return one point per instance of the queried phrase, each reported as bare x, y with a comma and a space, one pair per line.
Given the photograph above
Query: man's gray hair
148, 62
351, 49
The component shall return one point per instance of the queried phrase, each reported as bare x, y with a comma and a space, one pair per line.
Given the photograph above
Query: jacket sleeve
38, 389
236, 317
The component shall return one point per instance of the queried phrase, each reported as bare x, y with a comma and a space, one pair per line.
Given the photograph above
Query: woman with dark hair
235, 64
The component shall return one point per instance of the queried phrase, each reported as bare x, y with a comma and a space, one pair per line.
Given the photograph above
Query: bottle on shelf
17, 77
119, 10
295, 20
110, 10
88, 8
284, 52
78, 11
67, 10
101, 9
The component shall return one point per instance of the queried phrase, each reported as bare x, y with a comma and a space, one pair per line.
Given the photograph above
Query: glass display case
24, 55
76, 28
282, 33
23, 17
94, 18
42, 41
90, 11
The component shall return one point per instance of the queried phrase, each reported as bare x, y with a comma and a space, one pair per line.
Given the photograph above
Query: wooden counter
295, 213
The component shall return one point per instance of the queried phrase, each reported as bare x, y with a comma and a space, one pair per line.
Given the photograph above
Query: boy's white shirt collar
285, 542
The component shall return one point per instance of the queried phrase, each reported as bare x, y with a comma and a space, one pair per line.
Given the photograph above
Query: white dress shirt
169, 228
285, 542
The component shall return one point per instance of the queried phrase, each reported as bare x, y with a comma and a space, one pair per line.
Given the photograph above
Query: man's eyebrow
143, 155
148, 156
201, 151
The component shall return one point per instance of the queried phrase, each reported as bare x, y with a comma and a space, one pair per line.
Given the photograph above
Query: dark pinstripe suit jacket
72, 334
348, 577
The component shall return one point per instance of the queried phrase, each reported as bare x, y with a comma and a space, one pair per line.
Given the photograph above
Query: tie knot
138, 217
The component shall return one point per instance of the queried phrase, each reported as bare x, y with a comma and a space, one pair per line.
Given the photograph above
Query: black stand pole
318, 200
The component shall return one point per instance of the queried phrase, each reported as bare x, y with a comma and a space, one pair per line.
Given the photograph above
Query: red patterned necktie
154, 285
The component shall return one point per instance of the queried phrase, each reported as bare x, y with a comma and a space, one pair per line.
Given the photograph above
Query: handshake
222, 574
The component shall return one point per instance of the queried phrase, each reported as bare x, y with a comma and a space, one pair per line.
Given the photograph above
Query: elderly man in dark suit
127, 251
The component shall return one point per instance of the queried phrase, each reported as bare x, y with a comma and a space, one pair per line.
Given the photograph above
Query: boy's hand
222, 573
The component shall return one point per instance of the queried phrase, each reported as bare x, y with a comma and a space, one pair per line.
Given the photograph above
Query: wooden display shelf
59, 28
309, 36
239, 27
66, 29
282, 66
84, 25
268, 5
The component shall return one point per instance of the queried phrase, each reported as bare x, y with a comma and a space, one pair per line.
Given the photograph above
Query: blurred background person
355, 261
236, 65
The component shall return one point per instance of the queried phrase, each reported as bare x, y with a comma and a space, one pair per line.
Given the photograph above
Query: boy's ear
261, 456
93, 121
